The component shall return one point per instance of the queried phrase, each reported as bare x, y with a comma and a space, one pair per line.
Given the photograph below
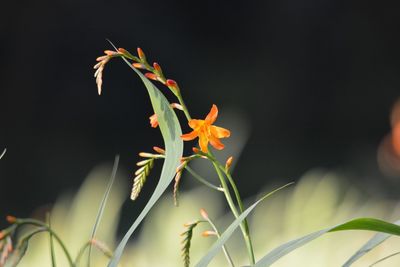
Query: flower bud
153, 120
157, 67
204, 214
177, 106
146, 155
141, 54
138, 65
110, 53
208, 233
228, 163
11, 219
159, 150
196, 150
151, 76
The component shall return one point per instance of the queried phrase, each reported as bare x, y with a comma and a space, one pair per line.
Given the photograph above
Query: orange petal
153, 121
216, 143
219, 132
212, 116
189, 136
203, 143
195, 123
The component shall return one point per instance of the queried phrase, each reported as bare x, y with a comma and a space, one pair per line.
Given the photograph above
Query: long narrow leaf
171, 132
3, 153
229, 231
103, 205
371, 244
356, 224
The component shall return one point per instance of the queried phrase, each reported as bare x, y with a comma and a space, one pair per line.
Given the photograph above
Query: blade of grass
103, 205
229, 231
356, 224
171, 132
384, 258
371, 244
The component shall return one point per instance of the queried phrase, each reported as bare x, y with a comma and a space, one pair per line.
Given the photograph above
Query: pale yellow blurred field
317, 201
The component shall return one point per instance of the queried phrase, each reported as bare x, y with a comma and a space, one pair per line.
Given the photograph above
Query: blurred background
302, 85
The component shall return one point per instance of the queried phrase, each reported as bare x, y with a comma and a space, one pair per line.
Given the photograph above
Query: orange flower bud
228, 163
141, 54
11, 219
153, 120
171, 83
208, 233
157, 67
151, 76
204, 214
159, 150
138, 65
195, 150
110, 53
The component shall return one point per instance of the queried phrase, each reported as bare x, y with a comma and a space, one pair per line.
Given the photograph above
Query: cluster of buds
178, 175
187, 239
139, 62
143, 172
99, 67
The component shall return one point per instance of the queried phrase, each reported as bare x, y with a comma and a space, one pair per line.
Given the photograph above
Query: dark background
315, 79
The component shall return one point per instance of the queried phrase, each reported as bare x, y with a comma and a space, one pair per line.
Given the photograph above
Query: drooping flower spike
206, 132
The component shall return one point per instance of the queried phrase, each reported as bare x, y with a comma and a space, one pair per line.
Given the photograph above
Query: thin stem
53, 258
202, 180
235, 213
244, 224
185, 109
384, 258
227, 256
60, 242
81, 251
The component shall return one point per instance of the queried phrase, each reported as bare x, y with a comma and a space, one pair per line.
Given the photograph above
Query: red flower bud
151, 76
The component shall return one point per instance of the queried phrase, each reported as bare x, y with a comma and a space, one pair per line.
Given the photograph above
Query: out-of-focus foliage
319, 200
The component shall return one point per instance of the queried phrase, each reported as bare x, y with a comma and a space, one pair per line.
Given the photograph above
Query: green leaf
171, 132
229, 231
103, 205
356, 224
371, 244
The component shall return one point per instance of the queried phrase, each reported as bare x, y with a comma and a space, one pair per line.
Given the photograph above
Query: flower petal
219, 132
216, 143
189, 136
203, 143
153, 120
195, 123
212, 115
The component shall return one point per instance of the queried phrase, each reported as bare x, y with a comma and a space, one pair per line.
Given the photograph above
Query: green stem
241, 207
53, 258
41, 224
202, 180
228, 197
81, 251
227, 256
185, 110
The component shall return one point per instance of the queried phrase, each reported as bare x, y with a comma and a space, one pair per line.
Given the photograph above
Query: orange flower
207, 132
153, 121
